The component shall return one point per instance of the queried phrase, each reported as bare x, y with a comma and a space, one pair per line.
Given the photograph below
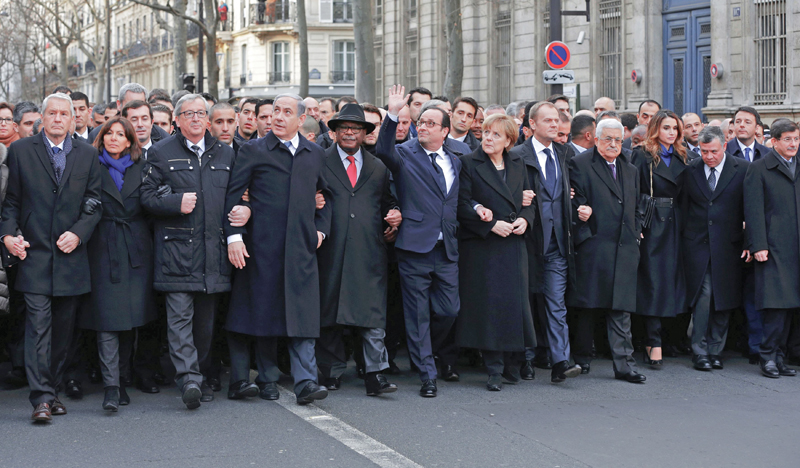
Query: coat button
620, 201
352, 215
620, 244
55, 190
710, 203
352, 194
710, 223
663, 219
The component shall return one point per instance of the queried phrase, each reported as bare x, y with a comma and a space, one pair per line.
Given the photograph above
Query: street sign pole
555, 35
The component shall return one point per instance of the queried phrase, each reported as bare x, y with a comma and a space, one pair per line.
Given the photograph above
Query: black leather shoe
111, 399
147, 385
125, 381
654, 363
73, 390
268, 391
311, 392
701, 363
191, 394
526, 372
160, 378
428, 389
542, 361
716, 361
563, 370
495, 383
214, 383
783, 369
770, 369
207, 392
449, 374
585, 368
332, 383
95, 376
376, 384
393, 369
124, 398
58, 408
242, 389
632, 377
511, 375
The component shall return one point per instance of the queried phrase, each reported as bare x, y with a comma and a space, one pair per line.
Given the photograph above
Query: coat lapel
132, 180
425, 160
367, 168
665, 172
110, 187
514, 177
489, 174
41, 151
781, 167
336, 166
702, 182
600, 166
728, 171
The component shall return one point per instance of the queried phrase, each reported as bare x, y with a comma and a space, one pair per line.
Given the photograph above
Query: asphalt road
679, 418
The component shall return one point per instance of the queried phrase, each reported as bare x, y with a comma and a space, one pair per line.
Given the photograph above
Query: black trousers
49, 326
777, 323
618, 326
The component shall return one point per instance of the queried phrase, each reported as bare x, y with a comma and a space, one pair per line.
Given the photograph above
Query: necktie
289, 145
550, 172
59, 161
199, 153
613, 170
712, 179
439, 174
747, 155
352, 171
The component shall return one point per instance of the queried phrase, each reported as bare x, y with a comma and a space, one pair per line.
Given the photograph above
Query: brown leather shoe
42, 413
58, 408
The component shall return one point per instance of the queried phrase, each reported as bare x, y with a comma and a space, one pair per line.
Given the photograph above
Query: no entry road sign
557, 55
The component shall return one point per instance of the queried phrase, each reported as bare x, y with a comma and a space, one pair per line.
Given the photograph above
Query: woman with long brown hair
120, 259
661, 288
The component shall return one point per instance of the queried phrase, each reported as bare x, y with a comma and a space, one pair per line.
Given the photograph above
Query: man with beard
691, 131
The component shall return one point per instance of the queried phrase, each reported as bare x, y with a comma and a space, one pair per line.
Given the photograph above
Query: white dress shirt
461, 138
718, 169
359, 159
295, 141
752, 149
539, 148
578, 149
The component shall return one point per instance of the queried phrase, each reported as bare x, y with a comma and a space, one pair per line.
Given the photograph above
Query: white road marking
356, 440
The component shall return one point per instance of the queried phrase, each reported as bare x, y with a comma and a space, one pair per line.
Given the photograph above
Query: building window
379, 92
280, 63
411, 13
411, 63
342, 11
377, 20
243, 76
771, 57
344, 62
611, 52
502, 57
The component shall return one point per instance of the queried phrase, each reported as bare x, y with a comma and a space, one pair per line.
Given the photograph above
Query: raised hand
397, 99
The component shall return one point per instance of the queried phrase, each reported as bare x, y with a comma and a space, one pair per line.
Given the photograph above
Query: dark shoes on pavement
207, 393
526, 372
124, 399
773, 369
716, 361
542, 361
632, 377
191, 394
242, 389
147, 385
111, 399
73, 389
268, 391
41, 413
332, 383
377, 384
449, 374
585, 368
311, 392
58, 408
428, 389
563, 370
495, 383
701, 363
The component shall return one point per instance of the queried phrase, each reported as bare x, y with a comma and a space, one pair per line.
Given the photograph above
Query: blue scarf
116, 167
666, 154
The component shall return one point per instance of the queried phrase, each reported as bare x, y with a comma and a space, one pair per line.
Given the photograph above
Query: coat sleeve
388, 201
86, 223
528, 212
385, 151
240, 179
169, 205
467, 216
638, 216
577, 182
322, 217
754, 216
10, 217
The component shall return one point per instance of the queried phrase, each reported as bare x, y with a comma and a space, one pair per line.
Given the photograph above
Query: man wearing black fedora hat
353, 262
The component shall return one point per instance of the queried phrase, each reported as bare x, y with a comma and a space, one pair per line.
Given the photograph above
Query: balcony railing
279, 77
342, 12
343, 76
270, 12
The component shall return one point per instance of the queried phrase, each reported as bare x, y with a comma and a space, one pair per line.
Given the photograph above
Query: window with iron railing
502, 57
278, 11
280, 63
280, 77
344, 62
611, 51
342, 11
771, 52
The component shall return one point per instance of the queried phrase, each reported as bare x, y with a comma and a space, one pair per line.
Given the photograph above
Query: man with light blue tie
745, 146
426, 176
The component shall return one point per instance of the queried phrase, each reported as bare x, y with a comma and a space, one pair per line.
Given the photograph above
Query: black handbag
647, 204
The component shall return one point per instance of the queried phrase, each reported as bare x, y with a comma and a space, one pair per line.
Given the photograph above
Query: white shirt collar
295, 141
148, 145
201, 144
53, 145
461, 138
344, 155
752, 147
538, 147
578, 147
718, 168
85, 134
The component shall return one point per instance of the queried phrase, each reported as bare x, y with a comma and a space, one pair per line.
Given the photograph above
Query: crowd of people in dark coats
288, 235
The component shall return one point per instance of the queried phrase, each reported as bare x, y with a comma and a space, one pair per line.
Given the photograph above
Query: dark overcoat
607, 245
43, 209
277, 292
661, 290
714, 235
190, 249
772, 216
493, 270
353, 260
120, 259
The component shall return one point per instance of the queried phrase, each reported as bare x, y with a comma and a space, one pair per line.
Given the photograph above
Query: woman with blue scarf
661, 288
120, 259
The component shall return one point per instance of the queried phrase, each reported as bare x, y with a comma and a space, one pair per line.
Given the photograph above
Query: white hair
186, 98
63, 96
608, 124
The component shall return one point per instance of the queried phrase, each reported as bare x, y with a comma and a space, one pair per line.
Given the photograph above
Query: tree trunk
212, 21
302, 29
179, 32
455, 49
63, 71
365, 51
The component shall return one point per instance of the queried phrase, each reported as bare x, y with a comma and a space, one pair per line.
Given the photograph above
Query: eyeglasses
6, 121
790, 139
345, 129
611, 140
190, 114
428, 124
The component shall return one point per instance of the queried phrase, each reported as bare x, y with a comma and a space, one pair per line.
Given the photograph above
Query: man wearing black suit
607, 232
550, 250
80, 102
464, 112
713, 207
128, 93
426, 176
772, 214
50, 210
745, 146
647, 109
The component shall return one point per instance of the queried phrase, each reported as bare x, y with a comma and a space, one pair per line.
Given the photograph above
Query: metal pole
555, 35
108, 50
200, 50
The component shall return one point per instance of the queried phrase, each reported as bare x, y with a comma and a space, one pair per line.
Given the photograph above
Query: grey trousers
301, 357
190, 331
497, 361
114, 361
710, 327
49, 325
618, 325
331, 356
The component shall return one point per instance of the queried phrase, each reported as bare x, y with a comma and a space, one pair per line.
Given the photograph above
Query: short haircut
158, 94
608, 115
329, 99
301, 106
494, 107
372, 109
37, 126
414, 91
177, 96
512, 108
61, 96
781, 126
468, 100
10, 107
345, 100
23, 108
445, 118
137, 104
79, 96
629, 121
538, 106
557, 97
640, 129
310, 126
248, 100
218, 107
526, 122
161, 108
135, 88
565, 118
709, 134
62, 89
111, 105
262, 103
209, 97
649, 101
506, 124
430, 103
188, 98
611, 124
99, 109
442, 98
750, 111
581, 124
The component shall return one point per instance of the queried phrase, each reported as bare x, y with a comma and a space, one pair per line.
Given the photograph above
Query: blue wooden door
687, 58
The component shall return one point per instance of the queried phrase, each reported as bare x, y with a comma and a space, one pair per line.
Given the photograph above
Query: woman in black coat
661, 288
495, 314
120, 257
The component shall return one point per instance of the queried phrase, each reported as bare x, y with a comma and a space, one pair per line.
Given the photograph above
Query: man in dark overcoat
276, 289
353, 260
607, 232
713, 244
772, 216
51, 208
